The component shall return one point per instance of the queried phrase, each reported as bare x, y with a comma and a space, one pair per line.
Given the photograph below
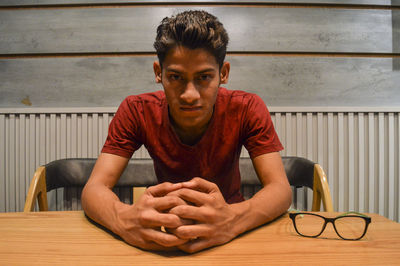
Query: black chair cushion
140, 172
299, 171
76, 172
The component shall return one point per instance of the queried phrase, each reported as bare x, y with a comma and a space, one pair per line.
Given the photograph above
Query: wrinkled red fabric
239, 118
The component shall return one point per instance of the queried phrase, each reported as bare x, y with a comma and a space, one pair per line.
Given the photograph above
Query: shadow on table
174, 253
178, 253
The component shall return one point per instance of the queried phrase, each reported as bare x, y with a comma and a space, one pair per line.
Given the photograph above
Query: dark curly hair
192, 29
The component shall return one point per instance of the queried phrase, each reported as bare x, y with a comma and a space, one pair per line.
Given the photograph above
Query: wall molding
272, 109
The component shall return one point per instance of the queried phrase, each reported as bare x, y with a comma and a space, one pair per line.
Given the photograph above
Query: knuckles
171, 209
144, 217
209, 214
183, 233
201, 182
168, 240
175, 200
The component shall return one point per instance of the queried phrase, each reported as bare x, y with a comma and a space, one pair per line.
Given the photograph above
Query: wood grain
132, 29
39, 3
69, 238
280, 81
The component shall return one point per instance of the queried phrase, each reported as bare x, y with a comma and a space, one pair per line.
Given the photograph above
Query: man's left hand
214, 219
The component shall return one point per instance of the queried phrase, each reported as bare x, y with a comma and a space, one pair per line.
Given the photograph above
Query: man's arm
219, 222
136, 223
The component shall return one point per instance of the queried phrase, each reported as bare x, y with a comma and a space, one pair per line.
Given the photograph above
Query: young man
194, 131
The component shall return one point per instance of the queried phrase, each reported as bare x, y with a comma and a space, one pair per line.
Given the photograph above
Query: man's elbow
88, 195
287, 196
85, 197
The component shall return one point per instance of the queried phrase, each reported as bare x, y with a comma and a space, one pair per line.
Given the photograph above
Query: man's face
191, 78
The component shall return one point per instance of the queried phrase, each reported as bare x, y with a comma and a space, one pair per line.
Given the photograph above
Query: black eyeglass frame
292, 216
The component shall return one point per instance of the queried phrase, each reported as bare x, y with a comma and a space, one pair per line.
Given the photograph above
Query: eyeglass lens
348, 227
309, 225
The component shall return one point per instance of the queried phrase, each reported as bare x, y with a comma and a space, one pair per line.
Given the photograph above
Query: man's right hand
139, 224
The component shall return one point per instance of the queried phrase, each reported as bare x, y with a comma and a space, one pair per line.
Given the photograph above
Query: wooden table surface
70, 238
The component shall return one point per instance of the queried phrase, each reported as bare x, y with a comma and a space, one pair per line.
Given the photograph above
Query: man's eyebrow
207, 70
172, 70
199, 72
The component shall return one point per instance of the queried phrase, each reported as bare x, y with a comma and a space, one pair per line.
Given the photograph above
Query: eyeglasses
348, 226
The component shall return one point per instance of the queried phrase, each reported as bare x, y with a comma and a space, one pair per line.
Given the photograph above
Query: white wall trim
273, 109
334, 109
56, 110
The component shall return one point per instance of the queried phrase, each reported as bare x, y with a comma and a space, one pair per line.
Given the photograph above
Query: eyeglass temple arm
357, 213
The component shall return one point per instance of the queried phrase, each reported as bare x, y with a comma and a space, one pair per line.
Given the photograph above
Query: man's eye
204, 77
174, 77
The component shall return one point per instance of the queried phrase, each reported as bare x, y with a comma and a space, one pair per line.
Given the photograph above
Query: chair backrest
67, 173
75, 173
299, 171
72, 174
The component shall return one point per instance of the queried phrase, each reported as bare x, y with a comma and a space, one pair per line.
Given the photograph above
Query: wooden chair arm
37, 189
321, 190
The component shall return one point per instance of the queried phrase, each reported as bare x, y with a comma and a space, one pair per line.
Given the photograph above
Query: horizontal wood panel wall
96, 56
93, 53
35, 3
280, 81
359, 152
132, 29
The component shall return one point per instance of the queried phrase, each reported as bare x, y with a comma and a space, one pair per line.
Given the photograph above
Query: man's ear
157, 71
226, 67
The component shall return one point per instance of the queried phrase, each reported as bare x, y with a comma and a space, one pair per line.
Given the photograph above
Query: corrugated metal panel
359, 151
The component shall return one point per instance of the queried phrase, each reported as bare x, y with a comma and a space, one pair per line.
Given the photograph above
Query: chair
75, 172
66, 173
300, 172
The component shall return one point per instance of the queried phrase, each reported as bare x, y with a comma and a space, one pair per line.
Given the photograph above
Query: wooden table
70, 238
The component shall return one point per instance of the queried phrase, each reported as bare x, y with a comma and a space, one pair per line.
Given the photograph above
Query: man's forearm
267, 204
100, 204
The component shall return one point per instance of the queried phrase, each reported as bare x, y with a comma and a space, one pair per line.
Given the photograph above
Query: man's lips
190, 108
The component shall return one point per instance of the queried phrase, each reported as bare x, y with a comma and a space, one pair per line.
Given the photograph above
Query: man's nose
190, 94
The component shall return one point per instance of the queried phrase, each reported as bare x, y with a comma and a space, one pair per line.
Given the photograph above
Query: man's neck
190, 136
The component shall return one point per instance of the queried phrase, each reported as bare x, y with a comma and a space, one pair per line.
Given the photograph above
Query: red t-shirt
239, 118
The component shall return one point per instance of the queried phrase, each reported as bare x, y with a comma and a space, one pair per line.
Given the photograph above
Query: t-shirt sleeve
260, 136
124, 131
